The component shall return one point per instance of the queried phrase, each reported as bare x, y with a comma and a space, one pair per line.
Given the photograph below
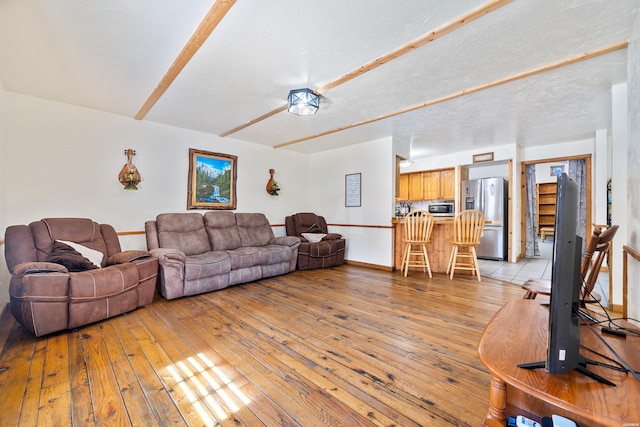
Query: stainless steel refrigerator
490, 196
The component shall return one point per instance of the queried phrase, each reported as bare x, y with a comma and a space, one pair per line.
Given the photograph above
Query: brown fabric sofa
202, 253
327, 252
45, 296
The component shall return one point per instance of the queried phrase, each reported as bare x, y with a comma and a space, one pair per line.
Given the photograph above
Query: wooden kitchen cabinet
431, 185
403, 187
448, 184
439, 185
416, 186
428, 185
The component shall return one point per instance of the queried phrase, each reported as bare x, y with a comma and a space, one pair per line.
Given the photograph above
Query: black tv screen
564, 327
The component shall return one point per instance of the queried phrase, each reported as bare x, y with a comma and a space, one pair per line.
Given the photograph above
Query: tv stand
517, 334
582, 368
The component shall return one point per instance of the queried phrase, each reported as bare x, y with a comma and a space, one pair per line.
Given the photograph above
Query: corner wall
367, 228
4, 274
633, 177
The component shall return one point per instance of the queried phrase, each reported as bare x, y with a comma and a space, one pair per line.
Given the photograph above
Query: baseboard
367, 265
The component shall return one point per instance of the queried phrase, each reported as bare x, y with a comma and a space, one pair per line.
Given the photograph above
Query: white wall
4, 274
564, 149
63, 160
633, 177
543, 171
600, 176
619, 177
375, 160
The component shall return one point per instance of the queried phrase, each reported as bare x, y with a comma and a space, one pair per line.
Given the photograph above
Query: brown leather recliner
53, 287
318, 247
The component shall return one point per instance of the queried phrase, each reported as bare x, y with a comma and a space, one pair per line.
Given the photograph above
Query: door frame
523, 195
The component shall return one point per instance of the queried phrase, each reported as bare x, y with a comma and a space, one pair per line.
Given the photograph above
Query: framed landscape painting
212, 180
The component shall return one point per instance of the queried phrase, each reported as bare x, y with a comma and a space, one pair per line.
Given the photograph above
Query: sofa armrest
127, 256
166, 255
38, 267
291, 241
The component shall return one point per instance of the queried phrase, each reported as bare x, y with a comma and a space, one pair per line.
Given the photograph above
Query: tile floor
538, 267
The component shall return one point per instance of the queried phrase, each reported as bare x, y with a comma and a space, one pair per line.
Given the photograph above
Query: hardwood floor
347, 346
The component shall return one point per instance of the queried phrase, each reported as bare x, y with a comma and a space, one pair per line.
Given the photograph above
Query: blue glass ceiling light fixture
303, 102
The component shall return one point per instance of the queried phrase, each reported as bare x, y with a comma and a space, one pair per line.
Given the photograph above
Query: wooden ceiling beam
206, 27
572, 60
397, 53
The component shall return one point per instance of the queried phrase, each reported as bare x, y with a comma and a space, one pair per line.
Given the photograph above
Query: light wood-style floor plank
336, 347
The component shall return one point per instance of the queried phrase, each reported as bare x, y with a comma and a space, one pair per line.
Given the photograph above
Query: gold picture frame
483, 157
212, 180
556, 170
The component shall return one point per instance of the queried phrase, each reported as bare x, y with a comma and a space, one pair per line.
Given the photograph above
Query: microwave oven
441, 209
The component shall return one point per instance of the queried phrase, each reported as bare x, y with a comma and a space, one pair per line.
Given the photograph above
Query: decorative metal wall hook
129, 175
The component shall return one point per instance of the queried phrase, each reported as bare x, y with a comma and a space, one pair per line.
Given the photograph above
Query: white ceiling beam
572, 60
395, 54
206, 27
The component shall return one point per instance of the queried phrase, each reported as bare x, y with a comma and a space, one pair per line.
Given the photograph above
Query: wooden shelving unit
546, 197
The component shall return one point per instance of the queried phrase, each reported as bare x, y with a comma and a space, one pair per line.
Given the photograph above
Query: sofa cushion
103, 282
207, 264
305, 222
254, 229
82, 231
65, 255
184, 232
222, 230
245, 257
275, 254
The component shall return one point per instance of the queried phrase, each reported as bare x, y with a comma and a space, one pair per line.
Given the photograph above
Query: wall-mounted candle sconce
129, 175
272, 186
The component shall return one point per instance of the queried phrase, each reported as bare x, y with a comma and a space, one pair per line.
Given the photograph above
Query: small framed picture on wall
557, 170
352, 188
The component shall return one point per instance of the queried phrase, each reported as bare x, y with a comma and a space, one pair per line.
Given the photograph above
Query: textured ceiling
111, 55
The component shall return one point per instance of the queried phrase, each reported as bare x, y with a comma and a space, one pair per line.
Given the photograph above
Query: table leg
497, 413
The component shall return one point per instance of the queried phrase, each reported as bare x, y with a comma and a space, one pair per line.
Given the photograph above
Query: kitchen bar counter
439, 249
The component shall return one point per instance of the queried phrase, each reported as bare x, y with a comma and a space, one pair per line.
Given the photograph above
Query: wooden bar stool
467, 229
418, 226
597, 249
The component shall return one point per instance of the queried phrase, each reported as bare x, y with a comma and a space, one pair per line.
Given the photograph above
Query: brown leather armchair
54, 286
318, 247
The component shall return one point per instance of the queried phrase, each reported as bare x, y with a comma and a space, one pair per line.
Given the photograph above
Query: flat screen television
563, 345
563, 349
